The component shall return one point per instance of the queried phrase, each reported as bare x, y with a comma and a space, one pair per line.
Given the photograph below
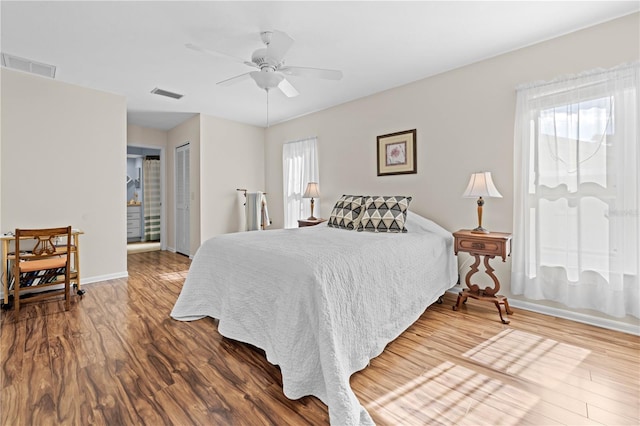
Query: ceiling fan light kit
266, 80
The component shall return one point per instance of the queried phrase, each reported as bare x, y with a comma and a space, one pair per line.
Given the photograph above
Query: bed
320, 301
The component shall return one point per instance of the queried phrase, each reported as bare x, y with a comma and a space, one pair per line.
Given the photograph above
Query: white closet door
182, 199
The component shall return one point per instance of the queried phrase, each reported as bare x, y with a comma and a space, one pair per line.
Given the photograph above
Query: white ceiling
130, 48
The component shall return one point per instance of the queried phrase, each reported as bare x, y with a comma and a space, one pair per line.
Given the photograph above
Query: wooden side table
306, 222
8, 257
488, 245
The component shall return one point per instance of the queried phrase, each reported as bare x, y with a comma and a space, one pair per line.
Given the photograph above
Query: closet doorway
145, 195
182, 199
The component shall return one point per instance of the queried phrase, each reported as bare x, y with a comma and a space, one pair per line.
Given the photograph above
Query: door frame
163, 190
186, 144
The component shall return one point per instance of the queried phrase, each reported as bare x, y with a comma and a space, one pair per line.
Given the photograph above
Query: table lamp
481, 185
312, 192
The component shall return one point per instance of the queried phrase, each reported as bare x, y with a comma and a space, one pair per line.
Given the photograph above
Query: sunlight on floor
452, 394
174, 276
537, 359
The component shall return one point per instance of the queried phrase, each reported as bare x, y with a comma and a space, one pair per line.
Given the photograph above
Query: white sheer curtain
151, 199
576, 214
299, 167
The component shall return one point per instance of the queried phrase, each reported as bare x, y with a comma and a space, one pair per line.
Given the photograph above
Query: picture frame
397, 153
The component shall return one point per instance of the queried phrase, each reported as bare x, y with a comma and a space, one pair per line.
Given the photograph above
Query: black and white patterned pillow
346, 212
384, 214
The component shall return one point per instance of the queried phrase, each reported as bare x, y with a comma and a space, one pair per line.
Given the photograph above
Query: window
576, 215
300, 166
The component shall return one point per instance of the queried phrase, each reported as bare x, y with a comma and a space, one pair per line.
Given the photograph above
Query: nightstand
306, 222
488, 245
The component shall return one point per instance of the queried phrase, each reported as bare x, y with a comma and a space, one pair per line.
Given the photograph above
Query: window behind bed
299, 167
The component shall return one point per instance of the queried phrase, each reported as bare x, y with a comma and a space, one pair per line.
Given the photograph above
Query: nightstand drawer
492, 244
481, 247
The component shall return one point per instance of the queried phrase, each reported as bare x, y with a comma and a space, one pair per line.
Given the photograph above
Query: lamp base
312, 218
479, 230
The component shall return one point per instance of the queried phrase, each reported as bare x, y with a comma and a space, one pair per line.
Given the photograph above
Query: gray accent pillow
346, 212
384, 214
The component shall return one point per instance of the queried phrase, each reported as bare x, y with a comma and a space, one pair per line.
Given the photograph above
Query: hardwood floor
117, 358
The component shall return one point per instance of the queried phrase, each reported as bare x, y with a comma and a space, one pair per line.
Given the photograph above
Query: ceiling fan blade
233, 80
218, 54
312, 72
288, 89
279, 45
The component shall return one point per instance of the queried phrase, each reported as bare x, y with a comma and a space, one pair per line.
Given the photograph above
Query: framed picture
397, 153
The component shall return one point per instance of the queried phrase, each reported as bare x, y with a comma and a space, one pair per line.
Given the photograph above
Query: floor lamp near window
312, 192
481, 185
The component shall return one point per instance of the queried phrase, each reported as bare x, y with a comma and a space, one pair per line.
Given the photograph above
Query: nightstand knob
477, 245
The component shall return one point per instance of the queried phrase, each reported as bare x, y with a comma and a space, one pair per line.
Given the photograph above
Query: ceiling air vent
27, 65
166, 93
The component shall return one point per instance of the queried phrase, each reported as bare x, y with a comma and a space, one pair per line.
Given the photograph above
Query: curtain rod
571, 77
302, 140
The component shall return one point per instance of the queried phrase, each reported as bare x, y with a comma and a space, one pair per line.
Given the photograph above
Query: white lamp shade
312, 191
481, 185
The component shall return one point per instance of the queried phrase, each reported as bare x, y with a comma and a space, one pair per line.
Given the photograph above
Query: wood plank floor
117, 358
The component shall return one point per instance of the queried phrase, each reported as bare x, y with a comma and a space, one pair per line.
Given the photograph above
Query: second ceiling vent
166, 93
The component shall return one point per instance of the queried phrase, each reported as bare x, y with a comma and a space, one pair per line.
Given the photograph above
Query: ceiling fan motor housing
262, 60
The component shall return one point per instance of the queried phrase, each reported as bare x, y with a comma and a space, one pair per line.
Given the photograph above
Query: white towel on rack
253, 210
265, 212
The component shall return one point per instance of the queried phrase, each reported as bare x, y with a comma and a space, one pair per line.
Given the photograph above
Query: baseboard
570, 315
83, 282
99, 278
576, 316
173, 250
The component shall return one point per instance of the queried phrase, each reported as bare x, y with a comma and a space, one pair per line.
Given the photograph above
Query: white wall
1, 85
146, 137
464, 120
62, 155
231, 157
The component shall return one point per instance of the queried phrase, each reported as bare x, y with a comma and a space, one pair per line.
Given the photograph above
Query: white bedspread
320, 301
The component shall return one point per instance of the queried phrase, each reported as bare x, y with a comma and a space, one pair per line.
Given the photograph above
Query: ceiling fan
270, 62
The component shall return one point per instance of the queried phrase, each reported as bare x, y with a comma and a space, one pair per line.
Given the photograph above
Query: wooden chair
46, 264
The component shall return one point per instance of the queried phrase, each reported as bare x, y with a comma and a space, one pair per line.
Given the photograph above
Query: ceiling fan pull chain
267, 90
